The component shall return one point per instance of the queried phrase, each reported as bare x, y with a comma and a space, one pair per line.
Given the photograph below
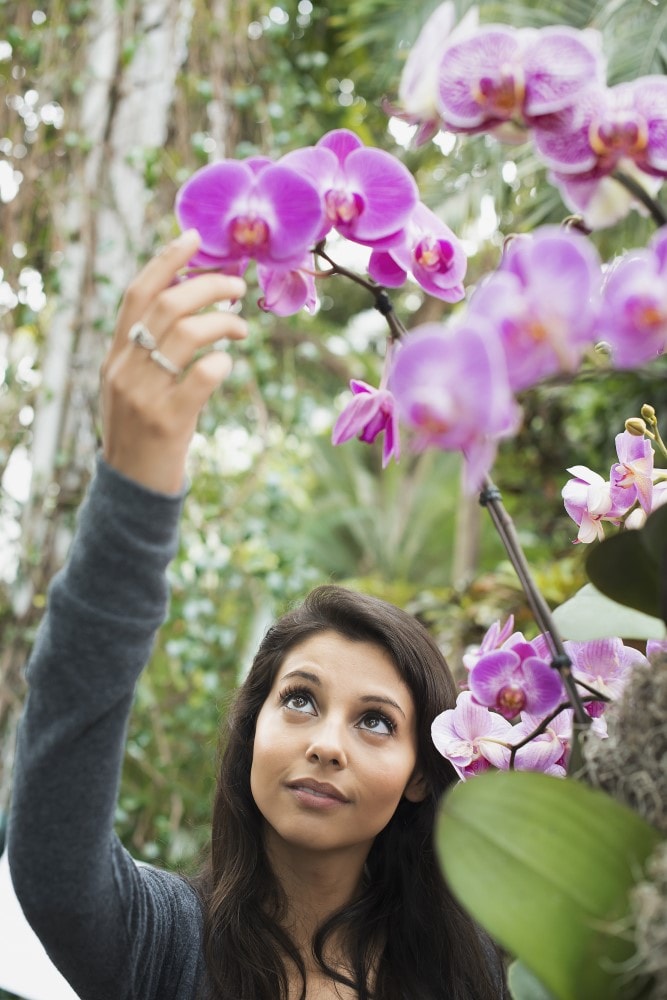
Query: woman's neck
316, 884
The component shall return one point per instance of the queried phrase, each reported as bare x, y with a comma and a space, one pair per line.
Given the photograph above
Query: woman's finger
153, 278
196, 333
201, 380
188, 298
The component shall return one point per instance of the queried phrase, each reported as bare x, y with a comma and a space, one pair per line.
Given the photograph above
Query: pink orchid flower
501, 74
370, 412
418, 87
547, 752
587, 499
543, 301
250, 209
605, 665
632, 476
656, 649
451, 389
367, 195
472, 738
430, 252
288, 290
608, 127
494, 638
633, 318
514, 680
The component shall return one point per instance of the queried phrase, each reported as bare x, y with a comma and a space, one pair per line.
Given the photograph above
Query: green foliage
546, 866
631, 567
591, 615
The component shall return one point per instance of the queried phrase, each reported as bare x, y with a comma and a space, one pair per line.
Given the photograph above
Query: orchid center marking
249, 231
503, 94
343, 206
434, 255
625, 133
511, 700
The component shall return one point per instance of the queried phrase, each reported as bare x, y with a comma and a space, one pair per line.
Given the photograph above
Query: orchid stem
382, 301
656, 210
491, 498
544, 724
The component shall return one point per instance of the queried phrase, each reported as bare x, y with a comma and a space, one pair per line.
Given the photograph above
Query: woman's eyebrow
383, 699
313, 678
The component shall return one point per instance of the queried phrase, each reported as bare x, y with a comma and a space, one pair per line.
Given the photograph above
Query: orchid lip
317, 788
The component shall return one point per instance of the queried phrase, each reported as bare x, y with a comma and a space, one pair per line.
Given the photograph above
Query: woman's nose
327, 745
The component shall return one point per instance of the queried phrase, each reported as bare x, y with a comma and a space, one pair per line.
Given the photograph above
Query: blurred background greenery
86, 194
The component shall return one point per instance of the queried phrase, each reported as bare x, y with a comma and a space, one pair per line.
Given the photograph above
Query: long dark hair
404, 937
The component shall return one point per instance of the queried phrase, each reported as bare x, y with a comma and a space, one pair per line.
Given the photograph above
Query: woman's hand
150, 413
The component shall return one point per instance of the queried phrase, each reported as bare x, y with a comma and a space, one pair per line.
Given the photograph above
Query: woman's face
335, 746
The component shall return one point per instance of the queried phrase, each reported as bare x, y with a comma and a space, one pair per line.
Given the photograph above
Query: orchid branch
382, 301
541, 728
657, 212
491, 498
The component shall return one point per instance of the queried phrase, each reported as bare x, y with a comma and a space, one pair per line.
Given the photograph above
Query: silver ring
141, 336
159, 358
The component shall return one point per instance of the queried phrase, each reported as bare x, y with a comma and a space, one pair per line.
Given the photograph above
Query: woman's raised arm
114, 930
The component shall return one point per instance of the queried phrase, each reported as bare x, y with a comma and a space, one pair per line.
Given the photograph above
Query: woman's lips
317, 793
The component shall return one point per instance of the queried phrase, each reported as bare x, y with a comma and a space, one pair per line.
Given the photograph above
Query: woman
322, 881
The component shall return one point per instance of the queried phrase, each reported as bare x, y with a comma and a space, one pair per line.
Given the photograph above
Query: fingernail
186, 238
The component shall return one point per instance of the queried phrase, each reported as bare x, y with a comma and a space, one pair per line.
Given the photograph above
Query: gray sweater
115, 930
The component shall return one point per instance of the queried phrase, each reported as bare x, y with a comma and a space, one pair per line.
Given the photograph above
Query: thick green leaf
628, 566
622, 569
523, 985
545, 865
591, 615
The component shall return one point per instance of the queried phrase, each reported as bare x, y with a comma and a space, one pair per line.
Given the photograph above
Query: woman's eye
299, 702
375, 723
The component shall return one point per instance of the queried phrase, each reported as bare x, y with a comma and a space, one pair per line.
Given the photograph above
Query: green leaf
627, 567
524, 986
545, 865
591, 615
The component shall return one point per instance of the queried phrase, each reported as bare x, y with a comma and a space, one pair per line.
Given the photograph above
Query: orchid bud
636, 426
648, 412
635, 519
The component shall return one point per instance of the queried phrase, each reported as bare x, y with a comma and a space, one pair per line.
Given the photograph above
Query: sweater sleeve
113, 929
